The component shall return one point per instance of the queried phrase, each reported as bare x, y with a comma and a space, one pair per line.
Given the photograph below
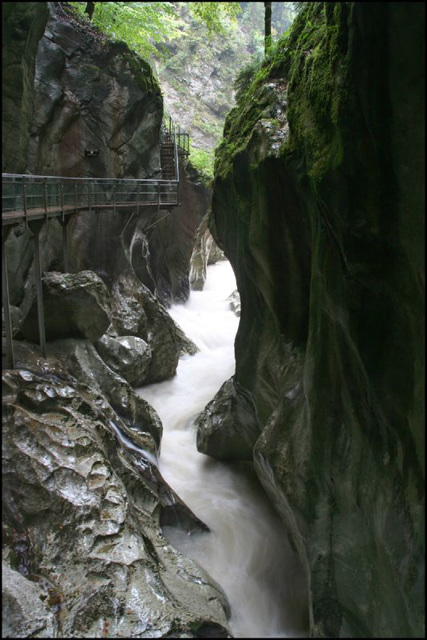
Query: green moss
313, 60
142, 71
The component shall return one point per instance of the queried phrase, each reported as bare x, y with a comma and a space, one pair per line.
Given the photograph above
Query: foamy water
247, 551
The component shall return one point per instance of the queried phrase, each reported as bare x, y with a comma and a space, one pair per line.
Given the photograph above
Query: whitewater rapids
247, 551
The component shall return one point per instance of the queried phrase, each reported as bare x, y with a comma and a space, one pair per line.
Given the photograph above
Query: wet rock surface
128, 356
75, 305
166, 339
219, 426
234, 300
171, 241
84, 363
69, 90
138, 312
205, 252
25, 607
83, 510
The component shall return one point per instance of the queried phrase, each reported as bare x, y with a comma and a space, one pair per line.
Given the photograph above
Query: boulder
75, 305
234, 300
128, 315
165, 337
138, 311
83, 515
228, 427
81, 360
128, 356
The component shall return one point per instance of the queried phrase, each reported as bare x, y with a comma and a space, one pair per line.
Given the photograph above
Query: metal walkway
33, 200
31, 197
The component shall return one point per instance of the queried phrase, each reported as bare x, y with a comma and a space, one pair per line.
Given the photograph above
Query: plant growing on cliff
215, 14
203, 161
139, 24
143, 25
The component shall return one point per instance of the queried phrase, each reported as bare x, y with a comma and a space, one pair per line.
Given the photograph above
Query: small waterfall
247, 551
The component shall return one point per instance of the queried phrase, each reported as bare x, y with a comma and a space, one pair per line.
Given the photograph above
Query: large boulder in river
128, 315
83, 508
219, 430
81, 359
234, 301
128, 356
75, 305
140, 313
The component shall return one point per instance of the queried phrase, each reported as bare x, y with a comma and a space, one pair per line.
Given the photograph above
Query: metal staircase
174, 143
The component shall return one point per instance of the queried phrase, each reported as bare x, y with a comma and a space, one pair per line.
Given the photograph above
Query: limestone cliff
318, 203
80, 91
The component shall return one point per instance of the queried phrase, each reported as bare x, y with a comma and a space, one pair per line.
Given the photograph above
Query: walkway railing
27, 197
34, 199
182, 138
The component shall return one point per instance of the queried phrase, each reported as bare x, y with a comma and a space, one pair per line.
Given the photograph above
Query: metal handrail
26, 196
53, 195
31, 175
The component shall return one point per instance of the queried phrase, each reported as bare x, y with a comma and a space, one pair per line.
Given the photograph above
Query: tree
267, 29
90, 8
142, 25
215, 14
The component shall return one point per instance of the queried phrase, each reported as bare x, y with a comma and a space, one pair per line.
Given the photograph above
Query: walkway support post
24, 194
10, 359
64, 224
35, 228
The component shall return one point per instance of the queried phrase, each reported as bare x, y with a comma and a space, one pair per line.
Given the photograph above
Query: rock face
322, 169
83, 545
205, 252
83, 362
23, 26
219, 432
91, 93
25, 613
84, 502
170, 261
75, 305
80, 92
127, 355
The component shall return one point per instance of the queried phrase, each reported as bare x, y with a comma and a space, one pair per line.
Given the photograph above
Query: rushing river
247, 551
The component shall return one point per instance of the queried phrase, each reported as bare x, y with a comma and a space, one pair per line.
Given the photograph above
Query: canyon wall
70, 90
319, 204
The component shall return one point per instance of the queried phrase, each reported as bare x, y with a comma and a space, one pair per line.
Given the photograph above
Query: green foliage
215, 15
145, 25
312, 59
203, 161
139, 24
246, 76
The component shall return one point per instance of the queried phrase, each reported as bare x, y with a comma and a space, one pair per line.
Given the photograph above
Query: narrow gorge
213, 390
